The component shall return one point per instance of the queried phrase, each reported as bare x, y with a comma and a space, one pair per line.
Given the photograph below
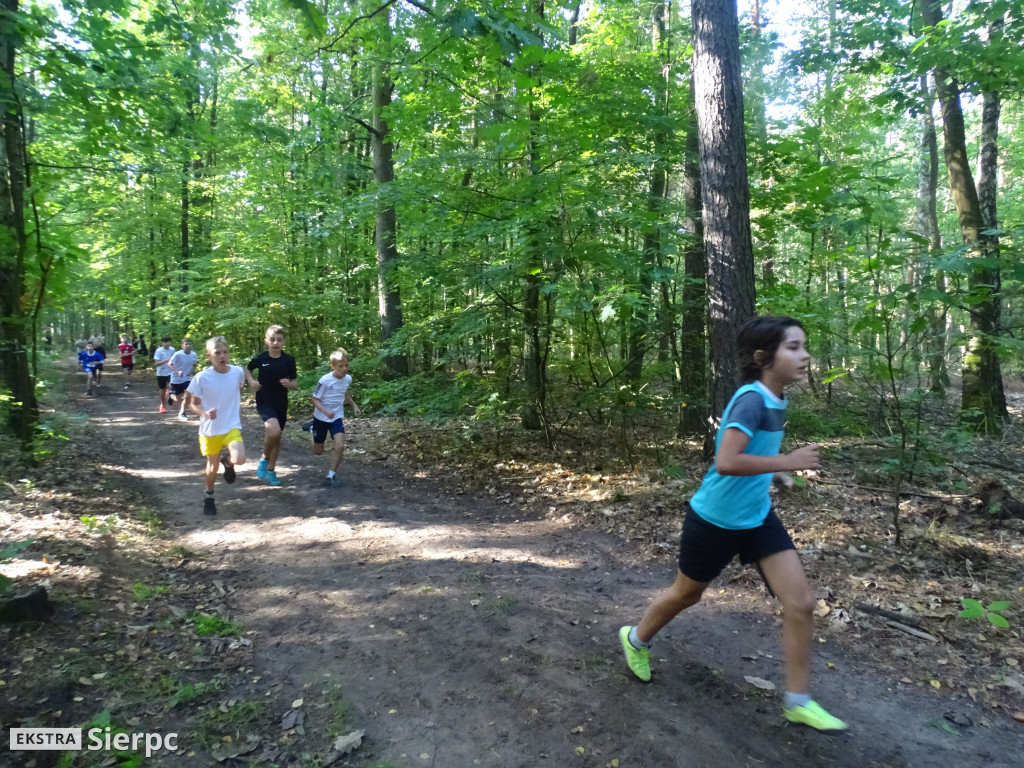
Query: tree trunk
388, 296
533, 368
726, 198
928, 227
23, 412
652, 244
692, 374
982, 387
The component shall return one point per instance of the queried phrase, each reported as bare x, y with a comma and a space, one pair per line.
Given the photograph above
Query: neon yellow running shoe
638, 659
814, 715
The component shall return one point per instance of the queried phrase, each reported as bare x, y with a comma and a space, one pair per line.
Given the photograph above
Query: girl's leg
683, 593
339, 451
785, 575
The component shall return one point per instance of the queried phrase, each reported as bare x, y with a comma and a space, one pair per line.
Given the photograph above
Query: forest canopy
491, 205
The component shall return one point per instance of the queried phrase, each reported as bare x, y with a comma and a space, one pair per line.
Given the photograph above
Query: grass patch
215, 625
222, 721
146, 593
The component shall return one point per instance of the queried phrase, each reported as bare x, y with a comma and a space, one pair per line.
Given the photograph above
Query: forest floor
463, 611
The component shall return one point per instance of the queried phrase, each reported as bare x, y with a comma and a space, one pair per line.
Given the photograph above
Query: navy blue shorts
705, 549
321, 428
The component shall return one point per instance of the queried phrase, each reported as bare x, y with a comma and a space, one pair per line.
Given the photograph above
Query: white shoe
183, 417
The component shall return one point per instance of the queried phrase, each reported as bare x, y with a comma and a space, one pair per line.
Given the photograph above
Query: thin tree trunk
928, 227
533, 368
389, 298
693, 374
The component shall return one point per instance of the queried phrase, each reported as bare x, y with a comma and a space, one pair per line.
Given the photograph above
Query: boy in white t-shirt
182, 364
217, 399
161, 358
329, 400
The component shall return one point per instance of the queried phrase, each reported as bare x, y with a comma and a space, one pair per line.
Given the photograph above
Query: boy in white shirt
182, 364
161, 358
217, 399
329, 400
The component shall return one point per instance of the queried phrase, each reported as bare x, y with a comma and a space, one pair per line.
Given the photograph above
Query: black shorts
268, 411
705, 549
162, 382
127, 366
320, 429
179, 389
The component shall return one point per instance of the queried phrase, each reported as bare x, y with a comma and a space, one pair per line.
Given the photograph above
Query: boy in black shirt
275, 375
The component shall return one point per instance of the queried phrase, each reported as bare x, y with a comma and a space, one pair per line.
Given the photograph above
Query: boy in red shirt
127, 352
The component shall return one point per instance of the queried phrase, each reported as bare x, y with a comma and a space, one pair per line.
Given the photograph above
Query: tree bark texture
385, 224
23, 413
725, 194
982, 388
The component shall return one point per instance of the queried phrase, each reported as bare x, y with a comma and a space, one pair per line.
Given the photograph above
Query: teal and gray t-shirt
732, 501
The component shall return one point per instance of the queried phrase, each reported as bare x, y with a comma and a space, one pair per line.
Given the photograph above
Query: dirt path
463, 636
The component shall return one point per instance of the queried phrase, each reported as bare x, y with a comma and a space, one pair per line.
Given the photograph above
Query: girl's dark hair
764, 334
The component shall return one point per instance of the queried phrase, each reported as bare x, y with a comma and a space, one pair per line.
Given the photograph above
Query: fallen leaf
345, 744
760, 682
297, 703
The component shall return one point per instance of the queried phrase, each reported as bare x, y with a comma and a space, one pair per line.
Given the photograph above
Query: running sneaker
261, 469
126, 386
307, 426
638, 659
163, 408
334, 482
209, 506
229, 470
272, 477
88, 392
814, 715
183, 417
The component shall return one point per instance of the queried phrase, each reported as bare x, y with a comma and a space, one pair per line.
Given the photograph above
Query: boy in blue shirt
89, 359
731, 514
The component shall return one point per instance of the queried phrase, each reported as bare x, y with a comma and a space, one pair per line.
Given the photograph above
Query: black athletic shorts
127, 366
162, 382
268, 411
705, 549
180, 387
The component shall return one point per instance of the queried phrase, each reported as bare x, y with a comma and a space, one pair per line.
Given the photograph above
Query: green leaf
972, 609
999, 605
312, 19
996, 620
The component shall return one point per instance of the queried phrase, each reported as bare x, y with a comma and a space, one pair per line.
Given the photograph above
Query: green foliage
103, 527
215, 625
145, 593
974, 609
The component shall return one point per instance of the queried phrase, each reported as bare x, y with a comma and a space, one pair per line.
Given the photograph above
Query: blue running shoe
261, 469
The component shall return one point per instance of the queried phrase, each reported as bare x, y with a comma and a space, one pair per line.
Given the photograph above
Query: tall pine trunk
725, 195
